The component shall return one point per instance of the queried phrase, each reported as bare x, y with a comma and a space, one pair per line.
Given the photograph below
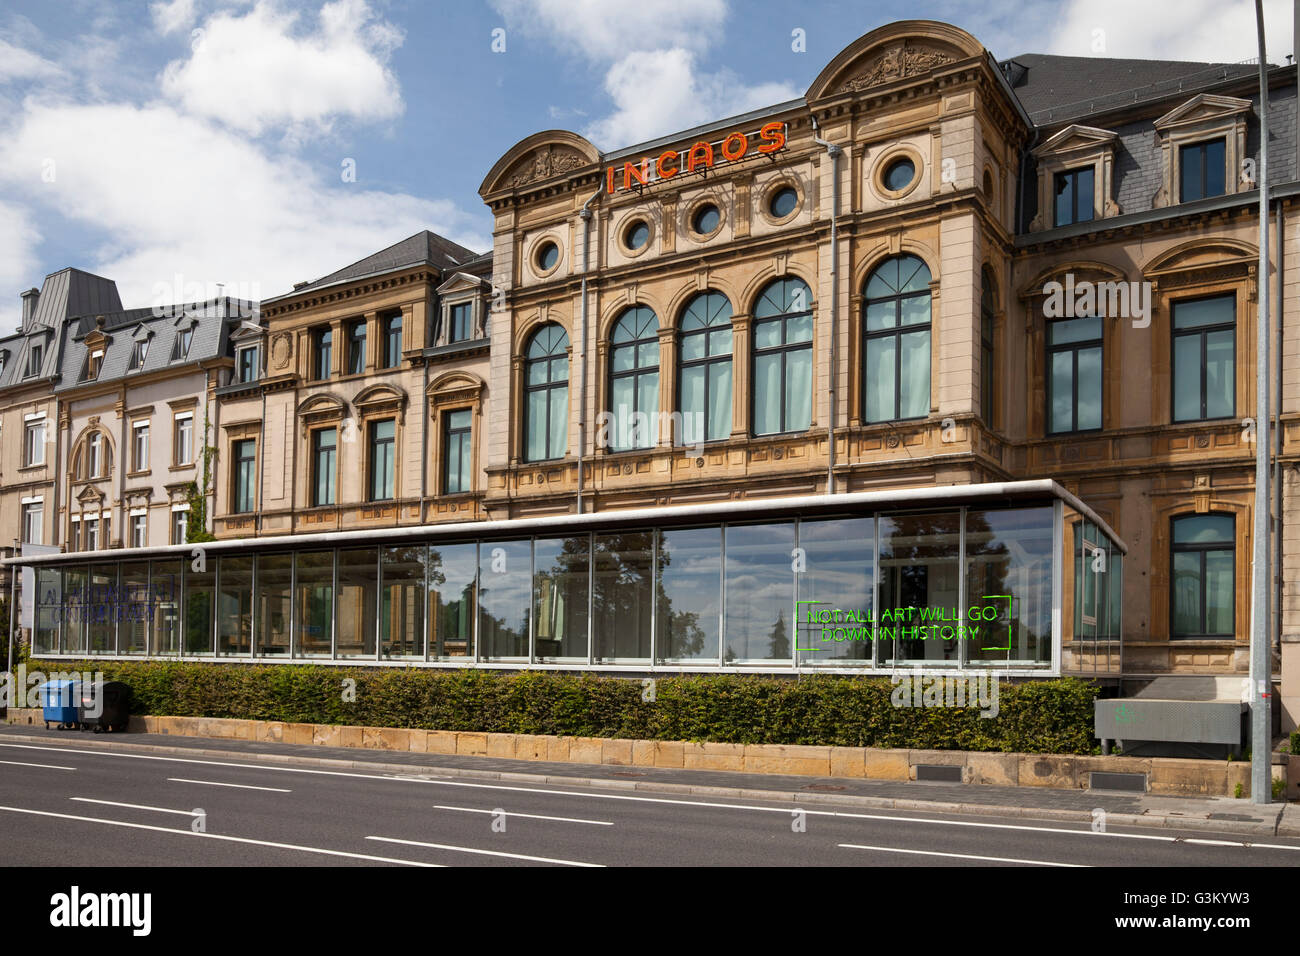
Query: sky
176, 145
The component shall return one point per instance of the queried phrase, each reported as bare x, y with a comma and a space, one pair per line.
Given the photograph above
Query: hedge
1048, 716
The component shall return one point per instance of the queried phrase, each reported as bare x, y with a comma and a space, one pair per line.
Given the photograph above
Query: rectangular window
95, 456
453, 577
322, 352
1205, 344
139, 530
356, 620
838, 579
459, 452
1203, 558
1074, 194
139, 446
138, 353
235, 607
1074, 367
200, 607
759, 584
623, 596
181, 347
918, 569
180, 525
245, 475
324, 445
382, 459
314, 603
505, 583
248, 362
33, 521
356, 348
93, 361
689, 594
460, 322
183, 439
273, 601
91, 526
561, 575
1202, 170
35, 359
392, 341
34, 442
401, 610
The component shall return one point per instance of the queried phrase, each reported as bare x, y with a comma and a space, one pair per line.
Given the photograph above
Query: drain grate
938, 773
1109, 780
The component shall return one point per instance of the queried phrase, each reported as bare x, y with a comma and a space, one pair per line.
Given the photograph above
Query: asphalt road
69, 806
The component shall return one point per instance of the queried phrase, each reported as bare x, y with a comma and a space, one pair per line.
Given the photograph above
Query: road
82, 806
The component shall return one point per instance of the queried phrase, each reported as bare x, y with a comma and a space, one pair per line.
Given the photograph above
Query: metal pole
1260, 736
585, 213
13, 574
833, 152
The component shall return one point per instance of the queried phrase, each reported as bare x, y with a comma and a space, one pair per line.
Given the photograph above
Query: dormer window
35, 358
138, 353
461, 319
93, 362
1074, 193
184, 336
1202, 145
1202, 172
246, 364
1074, 177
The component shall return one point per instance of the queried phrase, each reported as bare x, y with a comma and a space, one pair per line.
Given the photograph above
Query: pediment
379, 396
461, 282
1076, 136
455, 381
321, 405
898, 51
247, 330
1202, 254
1203, 107
546, 155
90, 495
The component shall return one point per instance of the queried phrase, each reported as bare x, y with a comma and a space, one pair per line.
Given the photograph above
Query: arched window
634, 379
782, 385
95, 458
1202, 565
546, 387
704, 380
896, 341
988, 310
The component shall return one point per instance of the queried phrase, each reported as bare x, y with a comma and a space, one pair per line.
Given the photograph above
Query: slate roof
422, 248
1053, 89
74, 292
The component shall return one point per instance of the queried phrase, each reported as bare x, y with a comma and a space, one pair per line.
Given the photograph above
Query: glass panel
689, 592
76, 617
558, 440
879, 377
1219, 588
1214, 168
235, 607
1008, 613
647, 403
719, 425
918, 587
694, 346
1187, 593
720, 340
767, 394
1064, 331
914, 387
799, 328
274, 603
314, 603
1187, 377
622, 404
401, 621
536, 425
760, 592
537, 372
560, 586
505, 585
1084, 194
798, 383
1192, 160
1064, 199
622, 599
624, 359
356, 609
165, 595
452, 572
1089, 388
1220, 382
49, 610
767, 335
1205, 529
102, 597
1195, 313
199, 603
836, 585
914, 310
132, 609
692, 404
1062, 391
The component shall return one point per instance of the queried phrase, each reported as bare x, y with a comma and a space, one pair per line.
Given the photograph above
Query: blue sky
178, 144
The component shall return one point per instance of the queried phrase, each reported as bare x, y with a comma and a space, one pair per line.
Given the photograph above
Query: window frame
635, 373
314, 479
33, 509
706, 362
374, 446
1072, 175
549, 386
34, 445
1074, 347
248, 363
784, 350
322, 353
177, 418
238, 492
988, 347
896, 332
1202, 331
139, 455
139, 530
464, 437
1202, 549
1202, 146
454, 313
356, 347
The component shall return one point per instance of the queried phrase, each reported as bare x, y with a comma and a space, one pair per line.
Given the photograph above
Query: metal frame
1202, 332
1073, 348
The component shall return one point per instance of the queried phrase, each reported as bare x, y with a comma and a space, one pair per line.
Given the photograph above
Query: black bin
114, 707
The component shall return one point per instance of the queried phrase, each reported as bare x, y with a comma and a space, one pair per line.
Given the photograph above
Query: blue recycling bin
59, 701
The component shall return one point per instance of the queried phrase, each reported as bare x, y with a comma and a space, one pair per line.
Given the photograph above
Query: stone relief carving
281, 350
895, 64
546, 162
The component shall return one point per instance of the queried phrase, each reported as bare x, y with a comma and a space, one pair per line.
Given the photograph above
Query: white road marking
217, 836
530, 816
47, 766
241, 786
959, 856
468, 849
138, 806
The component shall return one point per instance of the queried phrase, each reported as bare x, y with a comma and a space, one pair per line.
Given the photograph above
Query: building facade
942, 332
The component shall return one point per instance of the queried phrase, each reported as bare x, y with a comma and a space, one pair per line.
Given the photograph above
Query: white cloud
177, 194
661, 91
607, 31
17, 63
18, 240
171, 17
256, 70
1209, 31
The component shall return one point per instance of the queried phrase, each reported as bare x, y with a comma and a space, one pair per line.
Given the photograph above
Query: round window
706, 219
900, 174
637, 235
783, 202
548, 254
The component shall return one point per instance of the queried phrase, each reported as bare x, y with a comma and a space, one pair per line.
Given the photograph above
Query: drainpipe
1277, 440
582, 398
123, 462
834, 152
424, 441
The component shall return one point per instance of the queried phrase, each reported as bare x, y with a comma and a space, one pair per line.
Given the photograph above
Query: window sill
140, 474
36, 466
181, 467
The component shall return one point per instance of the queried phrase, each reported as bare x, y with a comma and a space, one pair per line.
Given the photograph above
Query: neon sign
698, 157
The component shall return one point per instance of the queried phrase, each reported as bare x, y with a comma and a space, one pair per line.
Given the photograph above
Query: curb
1152, 820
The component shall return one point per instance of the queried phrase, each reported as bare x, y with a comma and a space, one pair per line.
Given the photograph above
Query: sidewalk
1220, 814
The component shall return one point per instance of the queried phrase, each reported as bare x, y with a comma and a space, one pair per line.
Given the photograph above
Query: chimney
30, 298
299, 285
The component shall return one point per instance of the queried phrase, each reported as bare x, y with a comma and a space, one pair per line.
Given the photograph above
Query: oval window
548, 254
900, 174
637, 235
783, 202
706, 219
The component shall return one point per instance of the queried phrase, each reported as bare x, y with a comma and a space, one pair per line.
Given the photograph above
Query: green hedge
1052, 716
